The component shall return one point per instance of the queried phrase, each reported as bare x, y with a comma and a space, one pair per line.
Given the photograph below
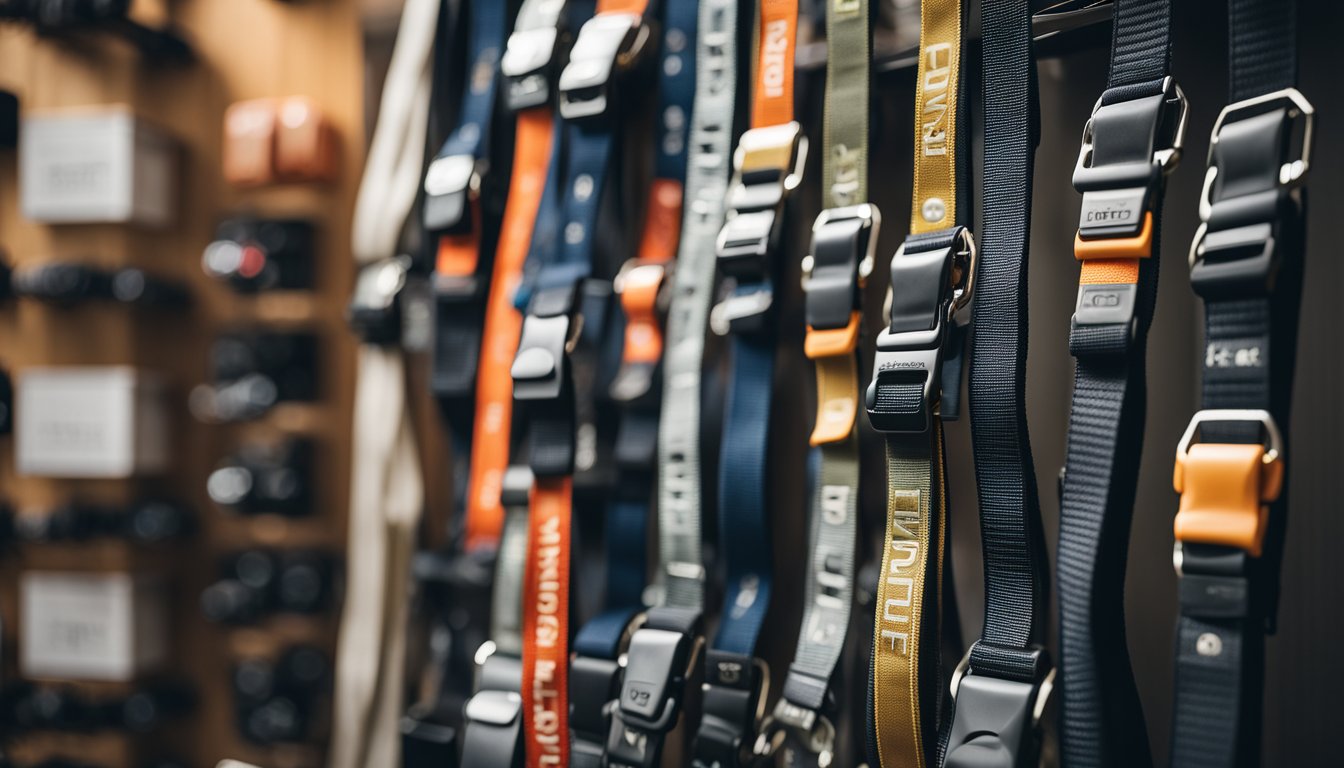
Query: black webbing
1262, 47
1013, 541
1102, 719
1227, 598
1141, 41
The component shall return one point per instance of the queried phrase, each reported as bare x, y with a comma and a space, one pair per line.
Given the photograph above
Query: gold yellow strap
934, 204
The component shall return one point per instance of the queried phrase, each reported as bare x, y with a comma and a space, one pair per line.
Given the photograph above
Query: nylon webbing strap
681, 569
768, 165
595, 671
903, 401
1131, 141
834, 272
996, 696
1246, 264
662, 650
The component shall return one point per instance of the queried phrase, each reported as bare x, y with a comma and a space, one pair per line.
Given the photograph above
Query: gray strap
506, 609
681, 570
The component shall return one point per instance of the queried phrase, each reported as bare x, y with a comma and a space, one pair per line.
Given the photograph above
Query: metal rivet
583, 187
934, 210
1209, 644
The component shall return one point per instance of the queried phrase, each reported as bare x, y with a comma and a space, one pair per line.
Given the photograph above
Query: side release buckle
658, 663
608, 45
532, 55
735, 692
1259, 153
593, 691
642, 290
543, 383
452, 185
768, 166
994, 721
933, 277
843, 244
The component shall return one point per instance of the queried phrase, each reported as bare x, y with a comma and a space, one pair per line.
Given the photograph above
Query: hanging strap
1246, 264
1002, 685
595, 670
841, 258
1131, 142
385, 483
915, 387
769, 163
662, 651
546, 378
493, 716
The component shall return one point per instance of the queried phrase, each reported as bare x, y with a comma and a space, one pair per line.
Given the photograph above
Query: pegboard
243, 49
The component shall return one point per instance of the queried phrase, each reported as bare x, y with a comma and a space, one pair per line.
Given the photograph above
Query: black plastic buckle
805, 736
994, 721
1250, 193
426, 744
843, 242
933, 278
1128, 147
533, 54
734, 693
374, 311
608, 46
593, 690
492, 733
543, 385
768, 167
452, 185
657, 664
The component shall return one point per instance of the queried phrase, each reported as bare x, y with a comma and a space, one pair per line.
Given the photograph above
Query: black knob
144, 710
305, 582
251, 372
303, 671
265, 479
244, 592
155, 521
253, 681
277, 720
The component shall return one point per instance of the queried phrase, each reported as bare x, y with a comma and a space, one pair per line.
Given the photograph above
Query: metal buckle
609, 44
452, 183
1273, 444
843, 245
800, 727
768, 166
994, 721
657, 665
532, 53
1246, 252
1141, 143
935, 286
374, 311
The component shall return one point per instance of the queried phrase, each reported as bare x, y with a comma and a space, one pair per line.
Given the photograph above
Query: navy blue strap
486, 41
744, 536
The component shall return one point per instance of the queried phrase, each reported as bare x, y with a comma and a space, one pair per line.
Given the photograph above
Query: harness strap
386, 490
662, 651
1001, 687
841, 258
1131, 142
1246, 264
915, 387
768, 163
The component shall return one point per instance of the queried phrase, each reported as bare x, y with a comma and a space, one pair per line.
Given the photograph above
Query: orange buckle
832, 342
1226, 488
640, 287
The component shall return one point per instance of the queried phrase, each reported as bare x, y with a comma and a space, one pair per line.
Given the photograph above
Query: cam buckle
529, 58
834, 273
1128, 147
452, 184
1226, 488
1249, 189
935, 279
735, 692
994, 721
658, 663
608, 45
374, 311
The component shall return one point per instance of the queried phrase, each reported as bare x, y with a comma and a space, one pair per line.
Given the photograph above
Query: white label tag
90, 626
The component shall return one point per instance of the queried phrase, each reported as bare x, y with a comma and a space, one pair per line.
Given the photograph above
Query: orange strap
622, 6
546, 624
503, 324
641, 285
772, 96
1226, 490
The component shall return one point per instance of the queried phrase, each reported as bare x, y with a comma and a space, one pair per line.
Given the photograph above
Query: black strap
1247, 266
1132, 140
996, 698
